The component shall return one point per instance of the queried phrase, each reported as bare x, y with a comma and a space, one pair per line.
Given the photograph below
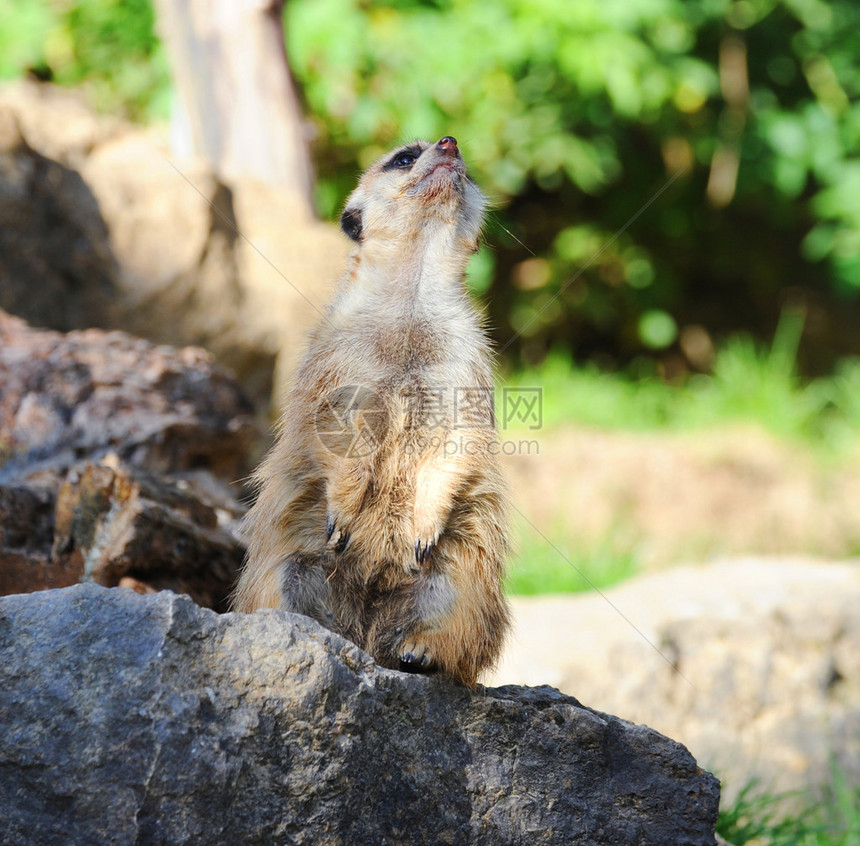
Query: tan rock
754, 664
153, 245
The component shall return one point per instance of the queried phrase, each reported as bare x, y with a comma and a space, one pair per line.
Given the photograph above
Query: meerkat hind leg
456, 621
433, 601
305, 589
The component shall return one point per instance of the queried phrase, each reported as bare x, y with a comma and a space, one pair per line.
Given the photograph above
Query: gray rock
146, 719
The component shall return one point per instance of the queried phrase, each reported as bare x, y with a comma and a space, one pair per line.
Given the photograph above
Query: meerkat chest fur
401, 317
370, 517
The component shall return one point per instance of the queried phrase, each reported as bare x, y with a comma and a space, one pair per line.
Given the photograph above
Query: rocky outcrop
56, 265
116, 462
753, 664
87, 394
146, 719
101, 226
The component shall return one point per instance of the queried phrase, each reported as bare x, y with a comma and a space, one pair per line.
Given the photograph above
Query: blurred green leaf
657, 329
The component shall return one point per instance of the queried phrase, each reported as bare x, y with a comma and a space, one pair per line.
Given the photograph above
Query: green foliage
761, 385
109, 46
575, 115
589, 397
545, 70
23, 27
551, 565
760, 819
753, 819
655, 165
749, 383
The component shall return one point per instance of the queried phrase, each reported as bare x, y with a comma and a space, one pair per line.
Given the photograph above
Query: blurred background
671, 262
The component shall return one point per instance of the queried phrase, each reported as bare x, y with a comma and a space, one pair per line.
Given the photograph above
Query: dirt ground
673, 498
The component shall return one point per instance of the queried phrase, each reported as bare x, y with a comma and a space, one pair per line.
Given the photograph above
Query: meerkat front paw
345, 494
416, 657
432, 505
424, 547
336, 535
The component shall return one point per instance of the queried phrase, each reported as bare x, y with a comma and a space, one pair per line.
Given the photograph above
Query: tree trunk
236, 102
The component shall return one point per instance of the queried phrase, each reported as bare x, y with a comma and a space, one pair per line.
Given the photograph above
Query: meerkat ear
350, 222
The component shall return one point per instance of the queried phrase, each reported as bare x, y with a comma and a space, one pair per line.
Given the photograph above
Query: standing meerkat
382, 508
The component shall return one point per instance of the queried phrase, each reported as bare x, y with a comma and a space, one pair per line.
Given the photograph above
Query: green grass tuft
749, 384
553, 566
759, 819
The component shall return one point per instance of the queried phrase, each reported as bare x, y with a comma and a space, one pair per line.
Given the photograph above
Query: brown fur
360, 521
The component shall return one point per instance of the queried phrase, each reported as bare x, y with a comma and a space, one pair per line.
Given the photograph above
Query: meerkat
381, 510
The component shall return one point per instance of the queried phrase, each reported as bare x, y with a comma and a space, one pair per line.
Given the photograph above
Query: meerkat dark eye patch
350, 222
403, 159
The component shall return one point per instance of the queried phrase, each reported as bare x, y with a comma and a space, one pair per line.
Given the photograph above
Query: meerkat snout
433, 178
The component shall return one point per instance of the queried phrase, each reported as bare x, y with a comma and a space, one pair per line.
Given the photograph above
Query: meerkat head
416, 188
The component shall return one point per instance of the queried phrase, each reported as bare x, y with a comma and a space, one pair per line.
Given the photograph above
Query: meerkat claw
335, 535
342, 541
411, 662
423, 549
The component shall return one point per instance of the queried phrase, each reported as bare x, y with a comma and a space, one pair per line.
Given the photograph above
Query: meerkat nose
447, 143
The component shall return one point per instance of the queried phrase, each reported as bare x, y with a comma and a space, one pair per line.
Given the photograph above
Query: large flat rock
147, 719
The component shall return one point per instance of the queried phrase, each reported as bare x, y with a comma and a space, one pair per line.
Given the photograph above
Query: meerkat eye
402, 160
